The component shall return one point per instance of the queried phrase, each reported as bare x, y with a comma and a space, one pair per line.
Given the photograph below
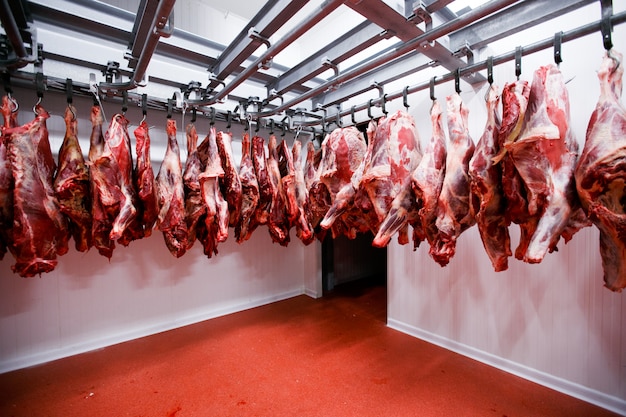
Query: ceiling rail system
426, 35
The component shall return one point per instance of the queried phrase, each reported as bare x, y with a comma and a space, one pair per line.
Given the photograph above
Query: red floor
299, 357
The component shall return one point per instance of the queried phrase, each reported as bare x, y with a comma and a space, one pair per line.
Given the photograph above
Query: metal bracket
267, 64
421, 14
326, 62
192, 87
112, 72
465, 51
254, 34
605, 26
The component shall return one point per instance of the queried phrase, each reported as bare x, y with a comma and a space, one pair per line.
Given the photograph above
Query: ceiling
275, 57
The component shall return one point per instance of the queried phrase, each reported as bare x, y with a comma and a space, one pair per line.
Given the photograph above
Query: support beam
512, 20
353, 42
384, 16
265, 23
391, 71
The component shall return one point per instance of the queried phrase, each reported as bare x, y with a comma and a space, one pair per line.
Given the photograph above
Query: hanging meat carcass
7, 184
39, 228
304, 230
113, 192
215, 229
394, 154
343, 158
416, 204
545, 156
71, 184
427, 180
230, 182
148, 208
171, 196
487, 200
288, 179
104, 191
266, 187
194, 204
278, 222
515, 97
453, 208
117, 147
601, 171
249, 191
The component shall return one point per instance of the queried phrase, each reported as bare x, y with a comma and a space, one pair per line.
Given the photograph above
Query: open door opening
354, 263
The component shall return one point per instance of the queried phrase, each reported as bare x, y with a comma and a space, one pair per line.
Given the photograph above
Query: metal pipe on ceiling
15, 38
446, 28
161, 17
314, 18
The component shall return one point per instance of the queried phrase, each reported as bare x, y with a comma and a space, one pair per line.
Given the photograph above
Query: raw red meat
104, 192
123, 195
171, 196
215, 229
310, 167
545, 156
71, 184
194, 204
278, 222
230, 182
304, 230
417, 201
601, 171
249, 191
488, 204
514, 106
343, 155
39, 228
148, 208
7, 185
288, 179
394, 154
266, 187
427, 180
453, 208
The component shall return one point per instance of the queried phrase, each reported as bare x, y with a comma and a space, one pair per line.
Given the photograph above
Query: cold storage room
372, 207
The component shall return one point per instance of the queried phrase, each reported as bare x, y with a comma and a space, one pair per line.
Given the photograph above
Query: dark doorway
352, 262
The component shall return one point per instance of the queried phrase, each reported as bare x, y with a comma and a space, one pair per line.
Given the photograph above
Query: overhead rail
442, 30
547, 43
272, 16
159, 28
273, 50
420, 30
14, 34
